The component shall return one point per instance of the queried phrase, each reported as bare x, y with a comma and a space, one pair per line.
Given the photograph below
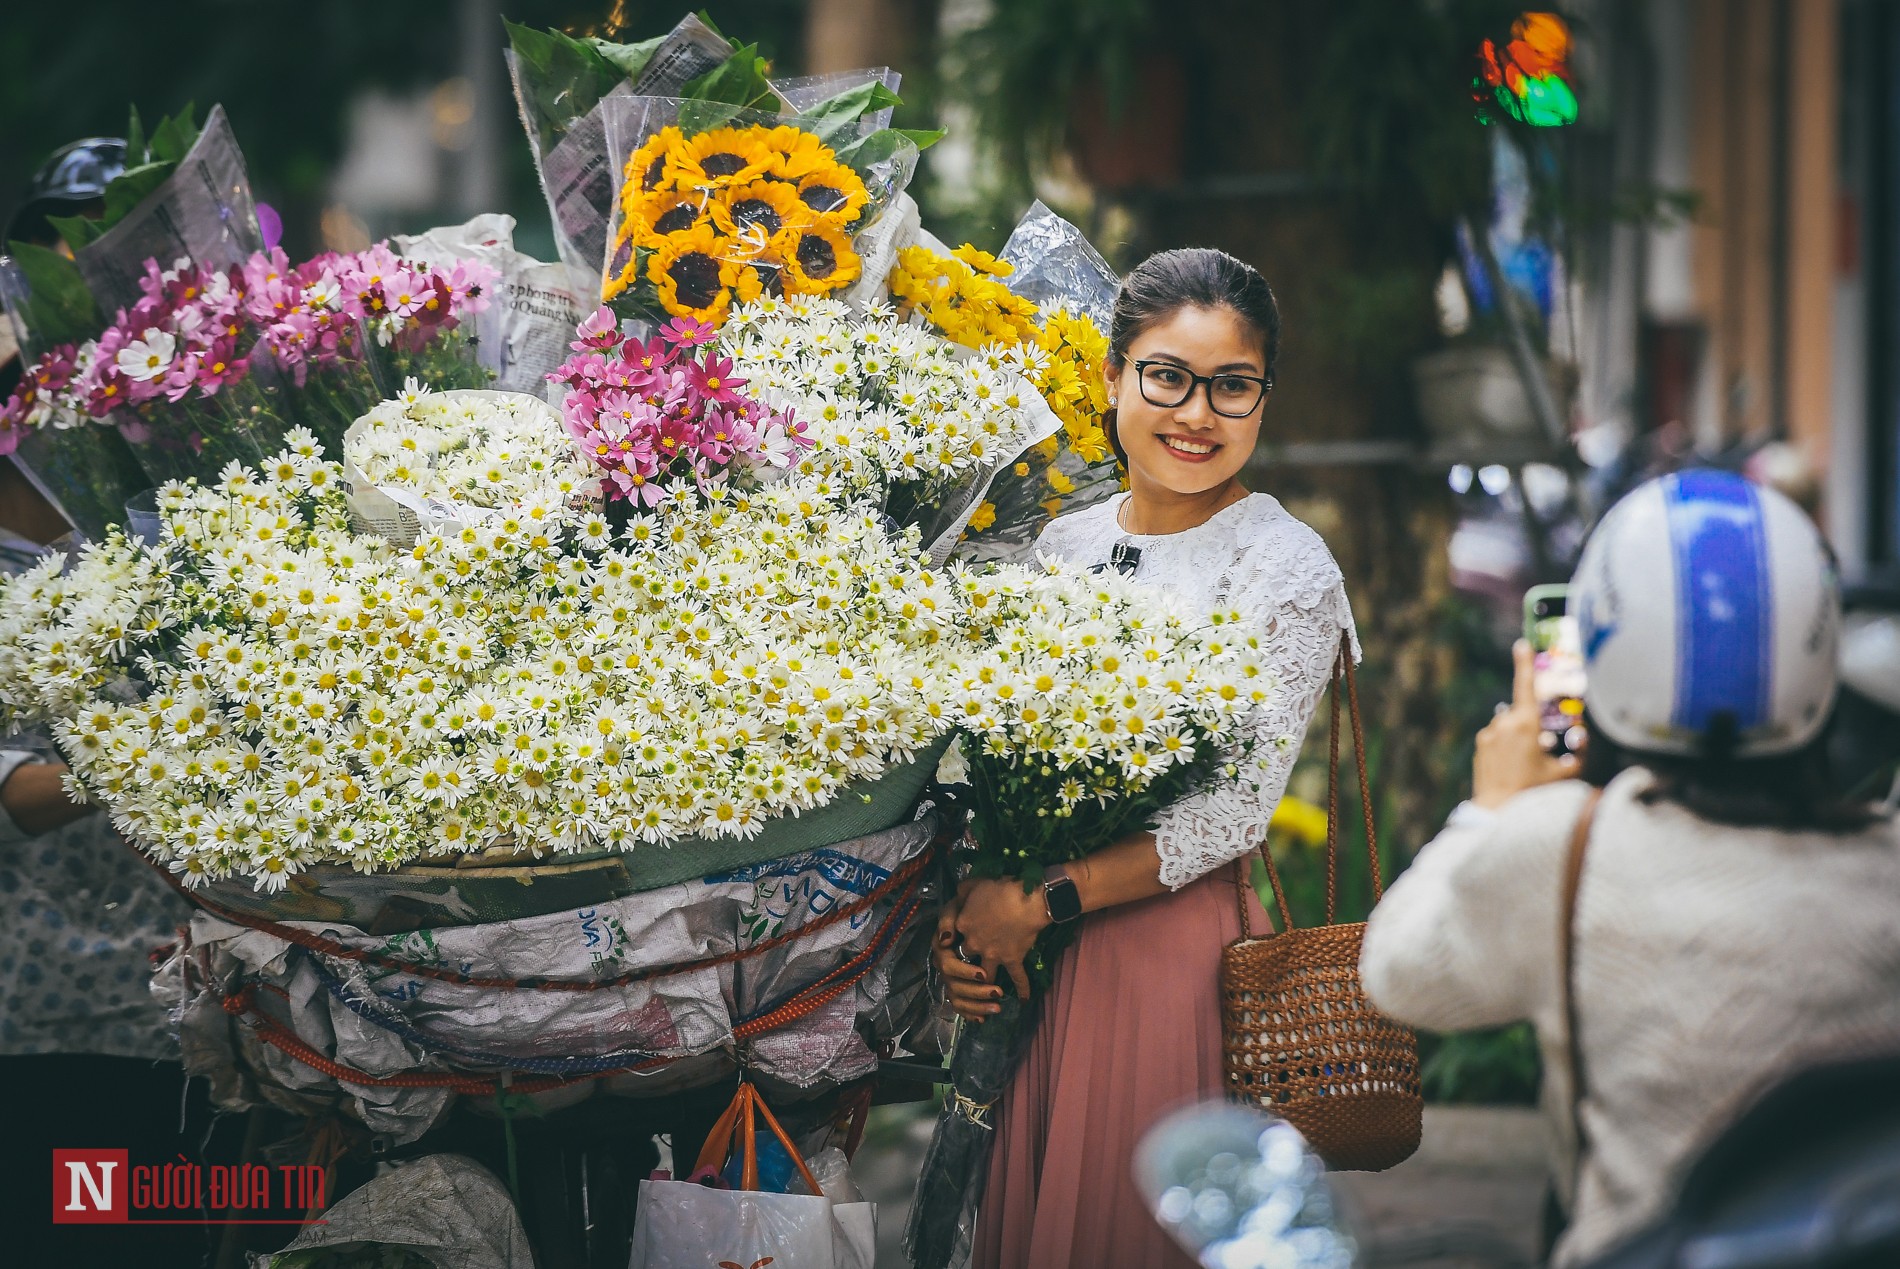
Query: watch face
1065, 902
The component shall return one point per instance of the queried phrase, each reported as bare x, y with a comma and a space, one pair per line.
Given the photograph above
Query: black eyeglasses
1232, 396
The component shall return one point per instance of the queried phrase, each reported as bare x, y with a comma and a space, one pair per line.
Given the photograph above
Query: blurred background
1490, 331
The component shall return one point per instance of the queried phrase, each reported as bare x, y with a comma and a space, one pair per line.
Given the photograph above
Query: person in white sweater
1732, 923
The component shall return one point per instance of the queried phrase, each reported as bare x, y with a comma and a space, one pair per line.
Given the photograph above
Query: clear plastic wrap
716, 205
559, 84
1056, 267
1049, 262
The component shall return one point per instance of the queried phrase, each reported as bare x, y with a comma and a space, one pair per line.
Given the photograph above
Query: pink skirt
1130, 1031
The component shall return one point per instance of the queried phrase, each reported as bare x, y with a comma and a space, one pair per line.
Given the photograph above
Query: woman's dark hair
1788, 791
1190, 277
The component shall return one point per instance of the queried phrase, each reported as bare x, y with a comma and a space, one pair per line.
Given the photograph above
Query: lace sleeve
1306, 611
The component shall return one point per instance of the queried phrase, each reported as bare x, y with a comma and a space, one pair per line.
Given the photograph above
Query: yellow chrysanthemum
983, 517
983, 261
758, 211
835, 192
819, 259
971, 308
693, 275
720, 158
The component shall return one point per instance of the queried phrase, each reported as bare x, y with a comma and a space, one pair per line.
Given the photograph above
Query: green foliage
564, 78
61, 308
1498, 1067
148, 165
1023, 66
741, 80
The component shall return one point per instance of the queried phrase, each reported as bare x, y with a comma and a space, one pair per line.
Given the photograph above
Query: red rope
317, 943
243, 1004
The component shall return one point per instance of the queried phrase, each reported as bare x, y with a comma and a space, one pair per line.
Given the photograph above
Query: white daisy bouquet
463, 451
895, 412
1092, 704
266, 689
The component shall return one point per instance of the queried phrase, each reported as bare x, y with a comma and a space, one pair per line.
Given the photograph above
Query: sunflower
760, 276
646, 166
833, 191
667, 212
694, 277
758, 212
798, 153
721, 157
818, 260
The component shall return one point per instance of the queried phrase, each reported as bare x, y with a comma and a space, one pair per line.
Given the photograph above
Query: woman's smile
1188, 449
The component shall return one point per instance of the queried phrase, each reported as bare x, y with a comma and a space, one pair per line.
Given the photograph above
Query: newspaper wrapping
202, 212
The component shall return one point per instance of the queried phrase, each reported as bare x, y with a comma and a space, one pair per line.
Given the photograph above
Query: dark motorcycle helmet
74, 176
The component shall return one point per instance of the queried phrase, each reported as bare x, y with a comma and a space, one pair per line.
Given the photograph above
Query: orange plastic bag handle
741, 1118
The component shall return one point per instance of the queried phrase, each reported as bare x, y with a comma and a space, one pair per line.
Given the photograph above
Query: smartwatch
1064, 900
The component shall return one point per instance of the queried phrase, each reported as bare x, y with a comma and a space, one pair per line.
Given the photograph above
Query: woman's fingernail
979, 976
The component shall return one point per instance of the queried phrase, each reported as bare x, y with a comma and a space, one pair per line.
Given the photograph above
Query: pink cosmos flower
599, 331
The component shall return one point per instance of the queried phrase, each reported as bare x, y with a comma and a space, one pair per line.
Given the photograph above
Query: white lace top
1257, 558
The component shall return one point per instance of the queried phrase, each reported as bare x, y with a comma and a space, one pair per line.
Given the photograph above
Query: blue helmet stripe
1723, 620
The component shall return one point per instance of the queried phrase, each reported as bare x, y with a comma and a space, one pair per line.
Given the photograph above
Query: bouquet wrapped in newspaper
720, 205
1093, 705
211, 367
562, 84
184, 193
1047, 299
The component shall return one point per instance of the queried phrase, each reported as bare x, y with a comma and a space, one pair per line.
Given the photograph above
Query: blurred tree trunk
848, 34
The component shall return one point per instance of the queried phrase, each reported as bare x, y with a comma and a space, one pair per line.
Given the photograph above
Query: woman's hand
1510, 757
968, 988
998, 922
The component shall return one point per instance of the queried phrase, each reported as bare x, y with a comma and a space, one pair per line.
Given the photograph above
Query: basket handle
1342, 675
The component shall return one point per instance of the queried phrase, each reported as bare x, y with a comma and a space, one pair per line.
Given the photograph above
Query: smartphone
1557, 667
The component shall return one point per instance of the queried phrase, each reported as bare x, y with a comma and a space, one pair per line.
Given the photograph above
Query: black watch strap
1064, 900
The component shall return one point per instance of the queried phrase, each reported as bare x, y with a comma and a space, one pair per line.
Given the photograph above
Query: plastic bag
444, 1208
1056, 266
717, 205
680, 1223
533, 309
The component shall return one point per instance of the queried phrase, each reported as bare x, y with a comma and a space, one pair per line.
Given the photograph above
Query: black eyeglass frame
1204, 382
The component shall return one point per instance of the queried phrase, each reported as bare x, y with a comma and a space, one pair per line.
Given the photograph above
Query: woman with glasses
1132, 1028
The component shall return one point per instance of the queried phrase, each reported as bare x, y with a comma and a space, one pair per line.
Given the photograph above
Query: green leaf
135, 135
77, 231
835, 120
562, 79
740, 80
710, 24
880, 147
60, 309
131, 188
922, 138
697, 116
173, 138
630, 60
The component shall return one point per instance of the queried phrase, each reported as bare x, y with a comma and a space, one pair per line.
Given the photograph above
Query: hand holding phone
1557, 668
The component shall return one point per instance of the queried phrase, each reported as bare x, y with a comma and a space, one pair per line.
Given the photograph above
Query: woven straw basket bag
1301, 1039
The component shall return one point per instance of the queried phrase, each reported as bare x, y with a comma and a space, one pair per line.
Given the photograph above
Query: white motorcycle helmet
1702, 595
